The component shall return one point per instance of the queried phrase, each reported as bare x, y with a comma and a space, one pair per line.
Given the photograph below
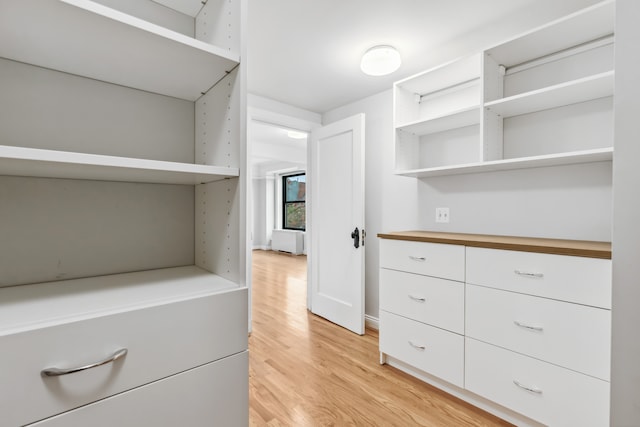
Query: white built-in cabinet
541, 99
122, 213
520, 327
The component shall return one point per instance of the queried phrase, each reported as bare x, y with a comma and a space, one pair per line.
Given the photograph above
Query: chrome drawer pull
418, 299
531, 389
524, 325
418, 258
417, 346
528, 274
56, 372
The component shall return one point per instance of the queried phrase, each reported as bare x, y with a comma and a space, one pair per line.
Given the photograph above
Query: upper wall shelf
585, 89
461, 118
576, 157
87, 39
19, 161
581, 27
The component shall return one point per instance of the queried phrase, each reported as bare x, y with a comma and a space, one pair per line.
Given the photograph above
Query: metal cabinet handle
417, 258
528, 274
524, 387
525, 326
417, 346
415, 298
56, 372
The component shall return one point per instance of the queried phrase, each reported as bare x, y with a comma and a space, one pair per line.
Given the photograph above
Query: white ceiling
306, 53
272, 148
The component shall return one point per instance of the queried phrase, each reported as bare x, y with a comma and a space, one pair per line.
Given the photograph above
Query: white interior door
336, 268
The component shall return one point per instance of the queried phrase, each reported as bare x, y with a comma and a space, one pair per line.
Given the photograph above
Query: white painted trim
371, 322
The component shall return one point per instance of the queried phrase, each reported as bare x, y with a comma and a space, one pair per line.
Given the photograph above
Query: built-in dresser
518, 326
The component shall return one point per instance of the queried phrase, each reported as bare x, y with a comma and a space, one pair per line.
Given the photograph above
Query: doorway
277, 154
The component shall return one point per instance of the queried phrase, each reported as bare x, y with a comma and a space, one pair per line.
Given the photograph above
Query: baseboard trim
371, 322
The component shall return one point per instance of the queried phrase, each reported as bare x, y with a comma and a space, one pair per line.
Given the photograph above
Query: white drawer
433, 350
571, 335
212, 395
562, 397
162, 340
568, 278
431, 259
437, 302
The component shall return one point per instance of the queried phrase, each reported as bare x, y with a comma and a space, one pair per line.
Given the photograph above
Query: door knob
355, 235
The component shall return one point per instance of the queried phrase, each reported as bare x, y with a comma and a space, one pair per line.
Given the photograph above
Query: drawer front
432, 350
571, 335
567, 278
437, 302
431, 259
162, 340
559, 397
212, 395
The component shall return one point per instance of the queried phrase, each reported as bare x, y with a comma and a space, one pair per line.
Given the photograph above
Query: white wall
625, 372
570, 202
562, 202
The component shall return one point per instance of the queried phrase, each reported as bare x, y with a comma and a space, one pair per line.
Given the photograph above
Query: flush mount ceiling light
296, 134
380, 60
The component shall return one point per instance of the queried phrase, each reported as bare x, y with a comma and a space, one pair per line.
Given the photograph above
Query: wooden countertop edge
580, 248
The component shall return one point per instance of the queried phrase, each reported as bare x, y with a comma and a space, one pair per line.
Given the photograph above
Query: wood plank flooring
306, 371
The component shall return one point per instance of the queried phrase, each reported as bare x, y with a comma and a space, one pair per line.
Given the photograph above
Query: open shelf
20, 161
46, 304
457, 119
573, 92
586, 156
586, 25
87, 39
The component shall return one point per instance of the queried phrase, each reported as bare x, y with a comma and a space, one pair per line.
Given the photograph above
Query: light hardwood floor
306, 371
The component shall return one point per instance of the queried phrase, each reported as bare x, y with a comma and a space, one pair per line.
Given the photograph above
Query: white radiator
288, 241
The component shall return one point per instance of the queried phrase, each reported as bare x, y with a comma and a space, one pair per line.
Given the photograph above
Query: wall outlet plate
442, 214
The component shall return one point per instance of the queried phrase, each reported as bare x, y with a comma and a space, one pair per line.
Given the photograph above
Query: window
293, 202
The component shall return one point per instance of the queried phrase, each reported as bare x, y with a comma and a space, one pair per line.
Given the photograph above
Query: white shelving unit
122, 185
540, 99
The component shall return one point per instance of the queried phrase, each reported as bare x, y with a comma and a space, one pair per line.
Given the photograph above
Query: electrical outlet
442, 214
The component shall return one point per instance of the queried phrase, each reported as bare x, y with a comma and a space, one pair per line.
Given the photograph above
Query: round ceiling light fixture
380, 61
